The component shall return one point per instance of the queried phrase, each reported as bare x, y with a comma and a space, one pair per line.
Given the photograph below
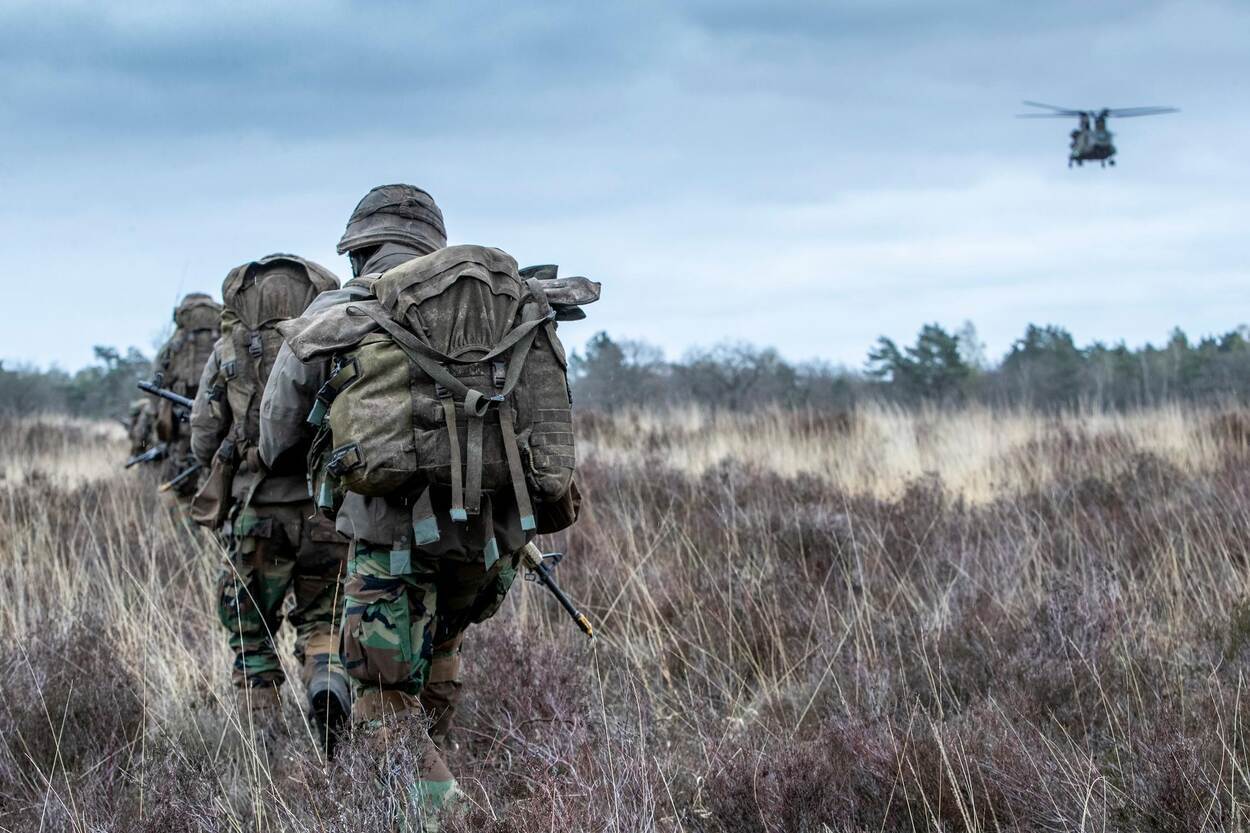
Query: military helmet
197, 311
395, 214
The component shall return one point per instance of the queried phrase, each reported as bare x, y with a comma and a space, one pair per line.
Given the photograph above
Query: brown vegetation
877, 621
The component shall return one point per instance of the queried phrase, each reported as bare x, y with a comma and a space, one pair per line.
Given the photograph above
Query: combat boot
329, 707
261, 724
442, 692
434, 794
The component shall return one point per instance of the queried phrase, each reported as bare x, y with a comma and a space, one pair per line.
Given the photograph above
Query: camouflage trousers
275, 550
403, 627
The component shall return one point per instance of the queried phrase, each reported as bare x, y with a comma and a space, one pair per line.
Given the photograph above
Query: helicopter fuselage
1091, 140
1092, 146
1091, 143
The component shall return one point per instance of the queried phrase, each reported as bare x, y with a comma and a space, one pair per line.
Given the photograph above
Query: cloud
805, 174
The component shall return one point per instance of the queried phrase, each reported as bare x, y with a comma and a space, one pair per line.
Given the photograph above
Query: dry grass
871, 621
879, 450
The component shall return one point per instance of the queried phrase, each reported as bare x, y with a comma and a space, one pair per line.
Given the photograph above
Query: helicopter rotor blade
1044, 115
1132, 112
1061, 111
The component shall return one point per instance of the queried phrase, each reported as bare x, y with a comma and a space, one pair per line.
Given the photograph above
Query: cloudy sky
808, 175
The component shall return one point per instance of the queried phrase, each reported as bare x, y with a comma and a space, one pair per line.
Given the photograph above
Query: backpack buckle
499, 371
255, 347
441, 392
344, 459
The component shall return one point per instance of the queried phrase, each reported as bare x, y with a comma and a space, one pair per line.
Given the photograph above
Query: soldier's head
402, 215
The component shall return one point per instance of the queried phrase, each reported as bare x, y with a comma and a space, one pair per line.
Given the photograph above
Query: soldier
278, 543
422, 568
177, 367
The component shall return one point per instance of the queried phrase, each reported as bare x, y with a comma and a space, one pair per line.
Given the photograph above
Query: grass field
877, 620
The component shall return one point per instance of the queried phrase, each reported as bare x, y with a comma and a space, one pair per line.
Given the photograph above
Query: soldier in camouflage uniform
178, 367
279, 544
403, 623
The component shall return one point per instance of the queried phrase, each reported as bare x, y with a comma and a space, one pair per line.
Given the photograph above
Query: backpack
197, 319
250, 342
181, 361
452, 376
258, 296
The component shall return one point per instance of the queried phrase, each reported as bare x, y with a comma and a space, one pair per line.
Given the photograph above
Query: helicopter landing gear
1111, 162
1102, 163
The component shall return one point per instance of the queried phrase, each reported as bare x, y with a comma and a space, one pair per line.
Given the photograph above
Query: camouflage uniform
178, 367
406, 610
279, 544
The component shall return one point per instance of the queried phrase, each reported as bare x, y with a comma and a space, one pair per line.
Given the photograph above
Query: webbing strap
473, 470
424, 524
343, 376
514, 468
453, 441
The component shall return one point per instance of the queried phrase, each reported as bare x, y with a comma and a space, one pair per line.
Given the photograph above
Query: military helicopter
1092, 144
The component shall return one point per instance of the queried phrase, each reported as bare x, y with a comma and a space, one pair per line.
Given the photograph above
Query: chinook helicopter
1092, 143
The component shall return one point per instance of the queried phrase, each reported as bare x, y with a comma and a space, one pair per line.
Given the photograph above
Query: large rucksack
181, 361
257, 296
452, 376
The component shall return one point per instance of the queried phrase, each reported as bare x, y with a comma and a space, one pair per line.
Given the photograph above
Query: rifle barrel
181, 476
168, 395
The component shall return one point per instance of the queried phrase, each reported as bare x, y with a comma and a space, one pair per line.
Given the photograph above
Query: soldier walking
278, 544
421, 359
178, 367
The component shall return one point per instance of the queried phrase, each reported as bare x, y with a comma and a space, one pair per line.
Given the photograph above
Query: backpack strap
517, 342
458, 512
513, 451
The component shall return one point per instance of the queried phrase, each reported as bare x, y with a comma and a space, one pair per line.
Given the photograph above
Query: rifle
156, 452
181, 476
533, 559
168, 395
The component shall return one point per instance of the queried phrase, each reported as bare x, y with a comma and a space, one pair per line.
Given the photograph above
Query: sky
803, 175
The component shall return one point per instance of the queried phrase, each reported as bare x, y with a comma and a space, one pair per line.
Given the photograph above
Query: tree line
102, 389
1044, 369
